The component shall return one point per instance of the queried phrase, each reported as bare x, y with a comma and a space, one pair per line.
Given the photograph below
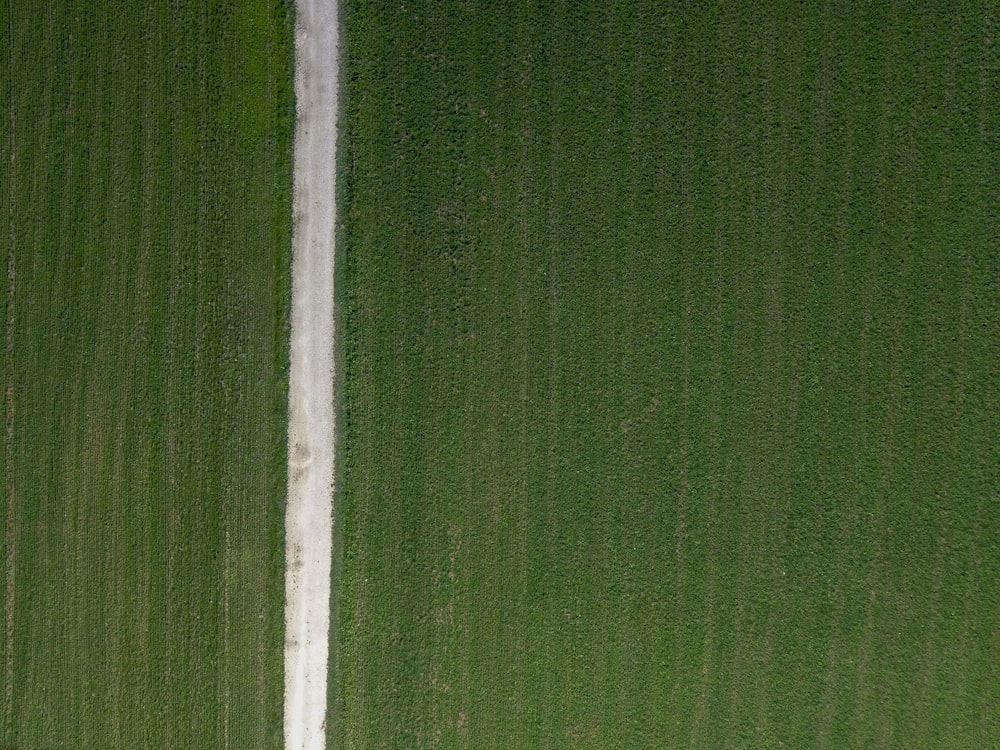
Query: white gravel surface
309, 513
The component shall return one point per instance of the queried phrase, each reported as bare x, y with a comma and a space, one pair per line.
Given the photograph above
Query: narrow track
309, 513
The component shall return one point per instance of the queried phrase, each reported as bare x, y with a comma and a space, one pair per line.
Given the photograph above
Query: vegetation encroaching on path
671, 394
147, 185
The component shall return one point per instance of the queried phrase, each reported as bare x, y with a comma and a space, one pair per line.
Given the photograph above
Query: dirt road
309, 514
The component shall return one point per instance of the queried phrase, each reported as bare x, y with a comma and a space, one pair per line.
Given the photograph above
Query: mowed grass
669, 380
146, 186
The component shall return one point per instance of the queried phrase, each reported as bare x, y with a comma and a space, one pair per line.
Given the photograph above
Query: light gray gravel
309, 513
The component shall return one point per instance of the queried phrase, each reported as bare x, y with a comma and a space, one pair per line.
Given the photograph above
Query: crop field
669, 400
146, 193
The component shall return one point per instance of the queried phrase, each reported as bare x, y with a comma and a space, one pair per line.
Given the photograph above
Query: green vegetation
670, 393
146, 235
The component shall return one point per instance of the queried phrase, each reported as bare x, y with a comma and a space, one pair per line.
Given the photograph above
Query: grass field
670, 394
146, 187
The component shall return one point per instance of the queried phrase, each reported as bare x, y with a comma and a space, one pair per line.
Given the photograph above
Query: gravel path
309, 514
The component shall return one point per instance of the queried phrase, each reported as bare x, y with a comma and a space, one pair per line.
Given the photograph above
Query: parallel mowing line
827, 710
863, 690
774, 524
42, 530
701, 715
522, 490
262, 445
143, 272
203, 312
987, 37
701, 720
115, 168
116, 295
227, 567
63, 466
750, 559
684, 438
553, 300
231, 516
960, 407
924, 702
9, 532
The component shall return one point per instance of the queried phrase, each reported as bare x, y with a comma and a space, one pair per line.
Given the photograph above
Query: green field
146, 193
670, 376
